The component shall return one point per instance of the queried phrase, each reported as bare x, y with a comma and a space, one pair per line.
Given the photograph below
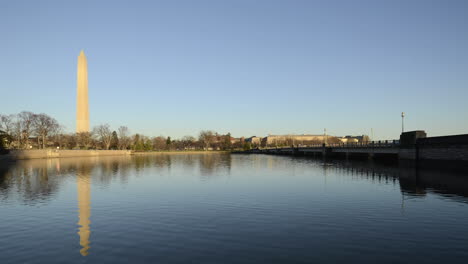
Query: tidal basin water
221, 208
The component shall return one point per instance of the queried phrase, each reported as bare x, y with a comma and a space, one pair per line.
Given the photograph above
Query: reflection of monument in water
84, 208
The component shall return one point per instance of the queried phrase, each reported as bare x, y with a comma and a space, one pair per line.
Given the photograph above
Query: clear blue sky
245, 67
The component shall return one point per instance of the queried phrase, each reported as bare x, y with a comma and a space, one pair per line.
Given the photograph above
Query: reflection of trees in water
107, 169
270, 162
140, 162
227, 162
5, 180
188, 160
37, 179
212, 164
153, 160
124, 171
168, 161
209, 164
33, 182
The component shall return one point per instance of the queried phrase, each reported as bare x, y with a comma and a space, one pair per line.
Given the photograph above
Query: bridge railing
370, 144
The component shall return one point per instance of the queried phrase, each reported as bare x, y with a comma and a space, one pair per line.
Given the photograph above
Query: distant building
297, 140
254, 140
354, 139
235, 140
273, 140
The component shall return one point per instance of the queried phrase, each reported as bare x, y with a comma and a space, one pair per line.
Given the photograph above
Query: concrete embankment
180, 152
52, 153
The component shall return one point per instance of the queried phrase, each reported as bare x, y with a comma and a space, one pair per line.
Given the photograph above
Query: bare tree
206, 137
159, 143
65, 141
188, 142
44, 126
7, 126
26, 120
6, 123
227, 144
84, 139
124, 137
105, 134
4, 141
17, 134
146, 143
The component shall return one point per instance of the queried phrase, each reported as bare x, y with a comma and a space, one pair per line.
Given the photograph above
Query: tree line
28, 130
17, 130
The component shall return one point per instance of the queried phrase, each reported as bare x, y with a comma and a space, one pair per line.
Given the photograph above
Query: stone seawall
444, 153
407, 154
443, 148
52, 153
446, 148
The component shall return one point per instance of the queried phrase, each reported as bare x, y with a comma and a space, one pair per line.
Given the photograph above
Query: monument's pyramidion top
82, 53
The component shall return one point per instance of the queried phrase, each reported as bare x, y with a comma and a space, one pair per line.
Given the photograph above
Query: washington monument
82, 108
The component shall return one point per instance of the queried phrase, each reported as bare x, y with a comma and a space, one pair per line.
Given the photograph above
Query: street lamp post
402, 122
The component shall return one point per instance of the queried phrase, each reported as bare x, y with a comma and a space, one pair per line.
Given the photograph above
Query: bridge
413, 145
371, 149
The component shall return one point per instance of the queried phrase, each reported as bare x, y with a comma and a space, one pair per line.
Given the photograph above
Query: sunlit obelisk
82, 108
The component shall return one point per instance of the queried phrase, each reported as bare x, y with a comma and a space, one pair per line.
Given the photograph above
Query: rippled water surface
221, 208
